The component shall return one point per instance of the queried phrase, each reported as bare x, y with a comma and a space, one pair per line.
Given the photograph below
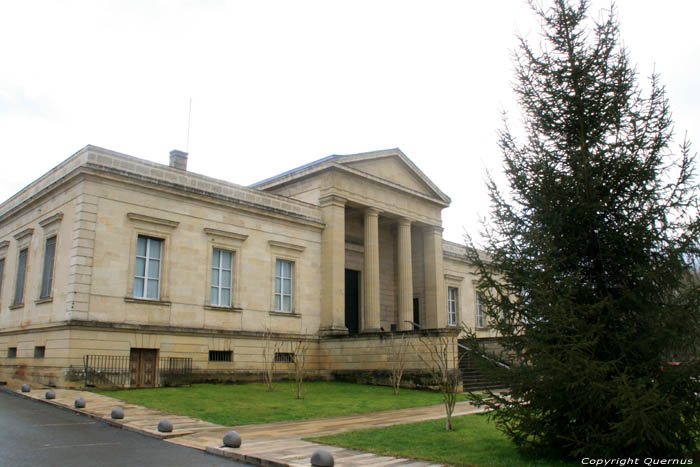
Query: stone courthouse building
111, 255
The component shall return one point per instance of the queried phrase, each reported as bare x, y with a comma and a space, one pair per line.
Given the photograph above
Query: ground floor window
284, 357
39, 351
221, 355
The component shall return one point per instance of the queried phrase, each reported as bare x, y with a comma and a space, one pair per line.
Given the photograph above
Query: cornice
51, 220
23, 234
136, 217
286, 246
225, 234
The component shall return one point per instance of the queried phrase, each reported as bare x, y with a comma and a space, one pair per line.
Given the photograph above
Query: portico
383, 227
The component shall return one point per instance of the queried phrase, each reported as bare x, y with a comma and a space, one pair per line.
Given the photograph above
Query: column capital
332, 200
371, 211
404, 221
434, 229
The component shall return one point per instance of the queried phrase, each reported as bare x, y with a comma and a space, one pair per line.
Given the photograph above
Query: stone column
370, 310
435, 300
333, 266
405, 276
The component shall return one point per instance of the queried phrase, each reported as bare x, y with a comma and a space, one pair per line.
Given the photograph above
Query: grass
474, 441
242, 404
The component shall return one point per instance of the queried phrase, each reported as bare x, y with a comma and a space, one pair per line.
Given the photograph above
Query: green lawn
242, 404
474, 441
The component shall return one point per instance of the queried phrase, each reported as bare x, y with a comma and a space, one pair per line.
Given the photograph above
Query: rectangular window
221, 277
284, 285
21, 273
284, 357
221, 355
47, 278
2, 273
147, 268
39, 351
12, 352
452, 294
480, 318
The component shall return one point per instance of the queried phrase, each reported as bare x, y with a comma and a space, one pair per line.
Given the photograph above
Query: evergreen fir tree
588, 270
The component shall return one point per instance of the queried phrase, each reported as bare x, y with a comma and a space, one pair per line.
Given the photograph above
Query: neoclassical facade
108, 254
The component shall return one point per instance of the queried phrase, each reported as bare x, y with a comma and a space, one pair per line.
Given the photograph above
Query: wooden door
143, 365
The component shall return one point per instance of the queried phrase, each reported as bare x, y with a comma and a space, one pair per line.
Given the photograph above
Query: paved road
37, 434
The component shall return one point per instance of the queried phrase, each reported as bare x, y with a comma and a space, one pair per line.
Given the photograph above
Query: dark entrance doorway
416, 314
142, 367
352, 301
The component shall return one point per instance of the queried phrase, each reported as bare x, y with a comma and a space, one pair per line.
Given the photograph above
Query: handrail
462, 346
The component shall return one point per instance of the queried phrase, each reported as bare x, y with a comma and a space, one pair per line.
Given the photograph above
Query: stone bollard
117, 413
26, 387
165, 426
322, 458
50, 394
232, 439
80, 403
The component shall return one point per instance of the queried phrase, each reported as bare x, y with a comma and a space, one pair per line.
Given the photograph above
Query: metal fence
115, 371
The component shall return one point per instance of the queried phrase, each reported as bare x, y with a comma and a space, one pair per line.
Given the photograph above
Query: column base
371, 330
333, 331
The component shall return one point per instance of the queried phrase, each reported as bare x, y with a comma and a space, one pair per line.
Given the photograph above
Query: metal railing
115, 371
468, 349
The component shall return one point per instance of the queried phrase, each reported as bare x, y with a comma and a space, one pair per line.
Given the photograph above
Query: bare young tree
269, 350
398, 348
299, 349
443, 363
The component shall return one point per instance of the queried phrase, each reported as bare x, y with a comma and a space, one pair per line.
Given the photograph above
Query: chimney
178, 159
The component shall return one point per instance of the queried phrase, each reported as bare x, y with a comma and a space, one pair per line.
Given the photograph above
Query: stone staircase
472, 378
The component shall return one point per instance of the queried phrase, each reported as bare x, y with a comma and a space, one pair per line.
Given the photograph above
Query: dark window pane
141, 247
154, 245
214, 296
39, 351
138, 288
221, 355
225, 297
21, 272
2, 273
47, 278
140, 268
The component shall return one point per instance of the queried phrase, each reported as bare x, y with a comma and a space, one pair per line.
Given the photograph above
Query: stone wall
359, 358
51, 370
190, 231
47, 217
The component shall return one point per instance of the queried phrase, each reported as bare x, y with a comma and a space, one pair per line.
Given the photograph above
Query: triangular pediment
388, 166
394, 170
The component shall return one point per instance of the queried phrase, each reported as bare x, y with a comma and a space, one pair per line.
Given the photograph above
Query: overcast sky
275, 85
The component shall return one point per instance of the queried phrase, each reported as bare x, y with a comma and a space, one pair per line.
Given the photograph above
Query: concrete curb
230, 453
